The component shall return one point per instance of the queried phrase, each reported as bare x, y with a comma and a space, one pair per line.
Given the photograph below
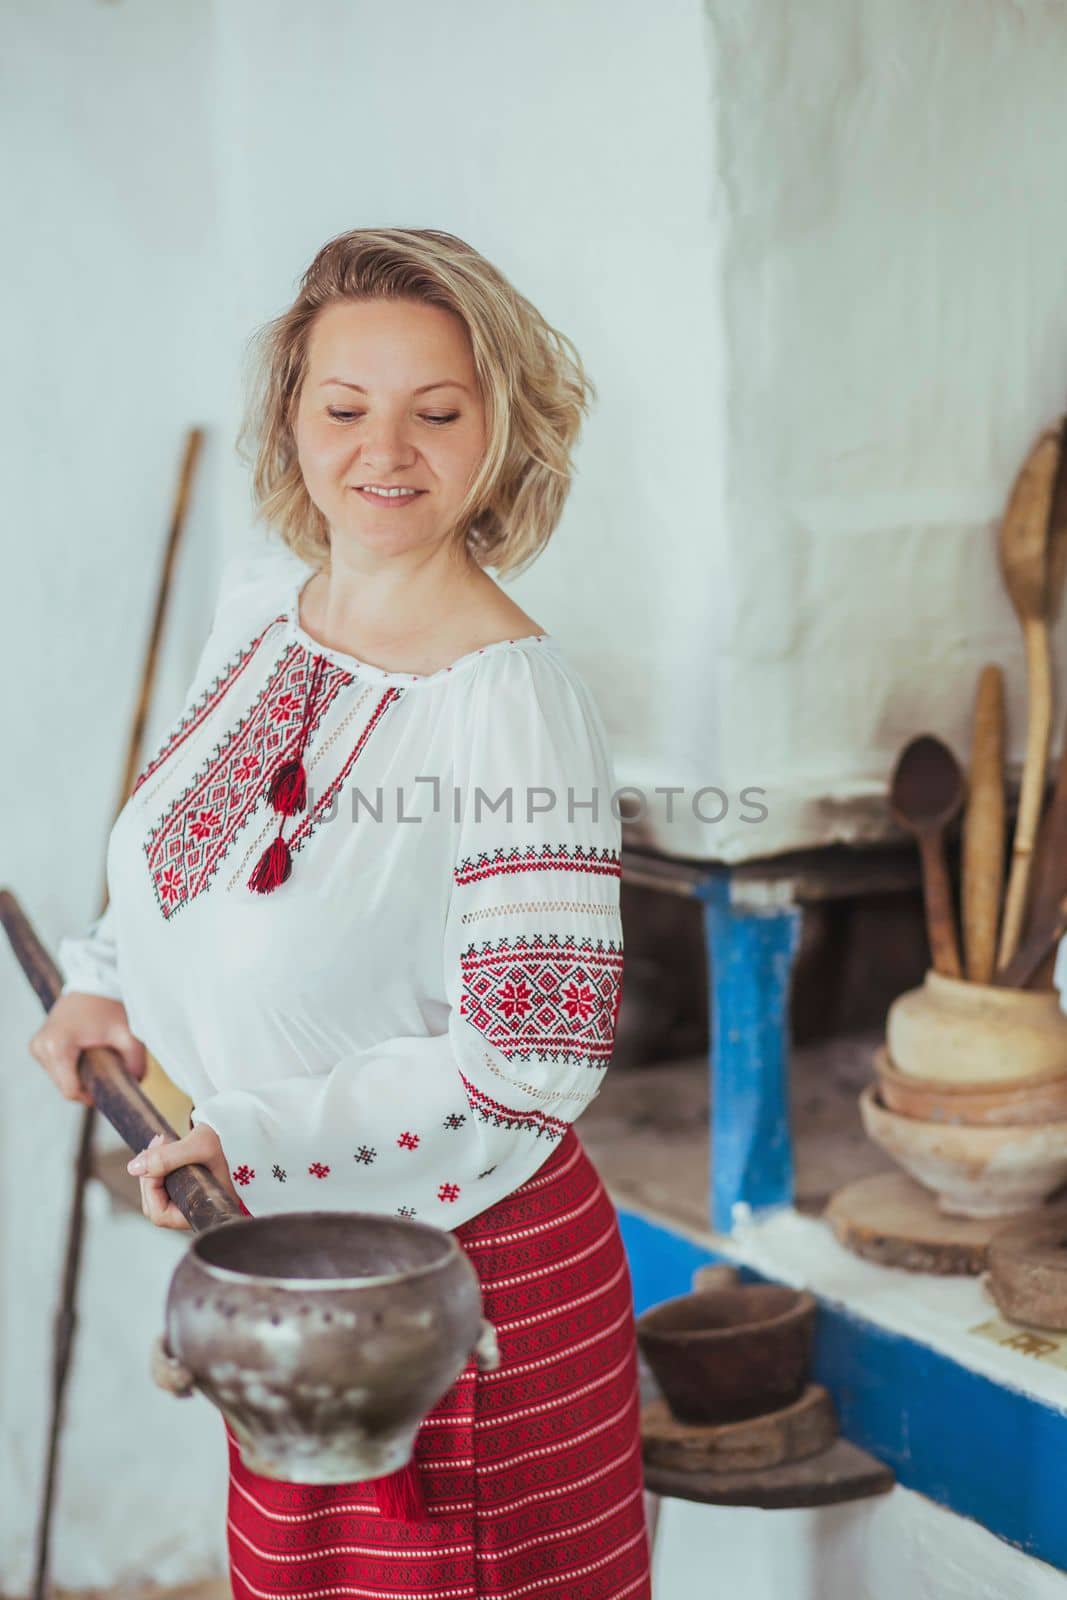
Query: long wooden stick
197, 1193
66, 1314
983, 829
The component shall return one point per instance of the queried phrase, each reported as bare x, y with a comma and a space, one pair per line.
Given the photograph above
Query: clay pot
973, 1171
721, 1355
324, 1338
953, 1031
1042, 1098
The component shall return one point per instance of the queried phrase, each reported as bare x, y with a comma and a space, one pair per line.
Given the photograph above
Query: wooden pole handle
1034, 949
1032, 789
940, 916
195, 1191
983, 830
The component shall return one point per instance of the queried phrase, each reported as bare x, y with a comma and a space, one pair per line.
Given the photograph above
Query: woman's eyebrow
444, 383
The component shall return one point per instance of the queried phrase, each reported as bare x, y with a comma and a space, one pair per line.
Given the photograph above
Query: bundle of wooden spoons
987, 1017
1009, 929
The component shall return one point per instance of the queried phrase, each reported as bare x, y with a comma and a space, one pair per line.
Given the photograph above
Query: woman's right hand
76, 1022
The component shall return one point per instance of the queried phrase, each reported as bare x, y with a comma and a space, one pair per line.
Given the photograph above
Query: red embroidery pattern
501, 1116
544, 858
243, 1175
301, 834
408, 1141
190, 841
318, 1170
545, 996
448, 1192
186, 847
201, 708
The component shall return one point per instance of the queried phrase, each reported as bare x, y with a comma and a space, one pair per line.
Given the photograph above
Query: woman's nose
385, 444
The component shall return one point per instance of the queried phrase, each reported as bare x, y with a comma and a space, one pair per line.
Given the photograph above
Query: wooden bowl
721, 1355
1018, 1101
974, 1172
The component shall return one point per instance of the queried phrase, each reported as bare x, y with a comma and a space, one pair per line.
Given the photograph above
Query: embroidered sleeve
440, 1127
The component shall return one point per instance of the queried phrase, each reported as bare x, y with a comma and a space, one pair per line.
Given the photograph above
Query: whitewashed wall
812, 257
893, 296
112, 349
878, 1549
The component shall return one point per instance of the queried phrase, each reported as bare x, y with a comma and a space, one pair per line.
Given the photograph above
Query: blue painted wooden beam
980, 1448
750, 958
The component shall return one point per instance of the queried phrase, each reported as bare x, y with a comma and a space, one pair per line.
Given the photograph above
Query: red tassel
288, 788
400, 1494
272, 868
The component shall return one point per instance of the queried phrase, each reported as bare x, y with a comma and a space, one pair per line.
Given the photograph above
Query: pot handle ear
487, 1351
169, 1372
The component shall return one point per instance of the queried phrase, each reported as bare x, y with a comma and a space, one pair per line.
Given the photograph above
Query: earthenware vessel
953, 1031
973, 1171
1042, 1098
721, 1355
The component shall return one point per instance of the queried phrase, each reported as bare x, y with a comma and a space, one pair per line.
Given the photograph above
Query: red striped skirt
531, 1474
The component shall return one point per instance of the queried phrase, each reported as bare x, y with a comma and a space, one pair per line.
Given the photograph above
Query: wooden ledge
844, 1472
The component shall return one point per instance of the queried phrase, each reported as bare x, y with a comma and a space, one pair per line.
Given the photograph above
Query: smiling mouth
394, 492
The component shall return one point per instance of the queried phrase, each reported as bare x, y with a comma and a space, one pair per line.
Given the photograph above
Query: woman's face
390, 399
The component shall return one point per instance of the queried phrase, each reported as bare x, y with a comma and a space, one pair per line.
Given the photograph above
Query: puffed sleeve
90, 960
442, 1126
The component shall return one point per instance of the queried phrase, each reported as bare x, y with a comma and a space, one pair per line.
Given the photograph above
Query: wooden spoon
925, 794
1057, 529
1023, 547
983, 830
1049, 881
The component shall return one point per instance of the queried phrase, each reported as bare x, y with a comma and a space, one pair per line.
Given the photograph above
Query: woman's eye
346, 416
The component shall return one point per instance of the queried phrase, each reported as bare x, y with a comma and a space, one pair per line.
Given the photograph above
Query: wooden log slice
802, 1429
894, 1221
844, 1472
1028, 1270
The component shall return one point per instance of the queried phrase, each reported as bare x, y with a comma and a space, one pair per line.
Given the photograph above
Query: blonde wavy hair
533, 386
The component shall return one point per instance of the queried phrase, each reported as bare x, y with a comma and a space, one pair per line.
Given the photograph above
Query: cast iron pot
324, 1337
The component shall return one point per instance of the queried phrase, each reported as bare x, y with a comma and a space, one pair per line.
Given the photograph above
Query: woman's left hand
163, 1155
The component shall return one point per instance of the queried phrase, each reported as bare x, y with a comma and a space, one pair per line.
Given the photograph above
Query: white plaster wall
893, 299
879, 1549
107, 288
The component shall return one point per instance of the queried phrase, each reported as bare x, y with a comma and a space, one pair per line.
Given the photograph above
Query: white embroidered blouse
411, 1020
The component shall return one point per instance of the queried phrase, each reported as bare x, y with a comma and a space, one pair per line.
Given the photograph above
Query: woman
364, 907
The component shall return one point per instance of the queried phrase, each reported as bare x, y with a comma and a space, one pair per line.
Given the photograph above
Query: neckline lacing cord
288, 794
